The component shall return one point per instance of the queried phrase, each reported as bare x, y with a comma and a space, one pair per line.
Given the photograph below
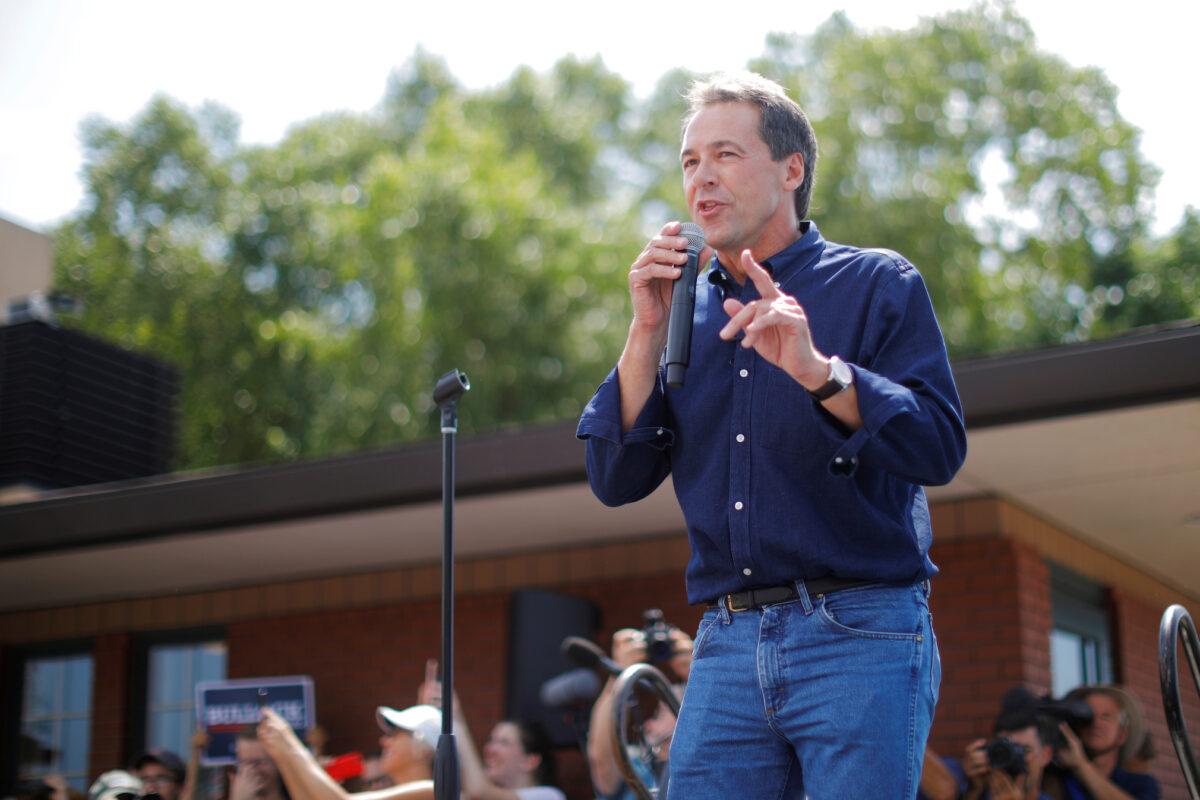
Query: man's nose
704, 175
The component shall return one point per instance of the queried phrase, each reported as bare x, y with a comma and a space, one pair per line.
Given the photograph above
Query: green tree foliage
312, 291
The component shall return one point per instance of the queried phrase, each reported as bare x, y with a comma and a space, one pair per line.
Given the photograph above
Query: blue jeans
827, 697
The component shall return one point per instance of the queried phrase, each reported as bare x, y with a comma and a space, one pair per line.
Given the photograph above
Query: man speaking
817, 401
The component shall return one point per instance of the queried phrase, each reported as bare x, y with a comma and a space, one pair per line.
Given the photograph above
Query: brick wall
110, 698
991, 613
1135, 629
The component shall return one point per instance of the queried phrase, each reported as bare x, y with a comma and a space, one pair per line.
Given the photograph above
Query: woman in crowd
517, 764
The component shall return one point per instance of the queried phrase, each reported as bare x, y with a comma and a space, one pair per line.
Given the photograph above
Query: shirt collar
793, 258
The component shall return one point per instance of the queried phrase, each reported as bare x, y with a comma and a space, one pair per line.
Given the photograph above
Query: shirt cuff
879, 400
602, 417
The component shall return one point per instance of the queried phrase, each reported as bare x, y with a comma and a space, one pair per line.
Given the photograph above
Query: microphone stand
449, 388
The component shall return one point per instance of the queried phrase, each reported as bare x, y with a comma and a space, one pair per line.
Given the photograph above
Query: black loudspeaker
539, 621
75, 410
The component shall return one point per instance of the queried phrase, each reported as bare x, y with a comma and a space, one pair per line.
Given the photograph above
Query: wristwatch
840, 378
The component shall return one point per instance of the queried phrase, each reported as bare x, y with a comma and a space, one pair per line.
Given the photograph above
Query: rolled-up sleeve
624, 466
912, 417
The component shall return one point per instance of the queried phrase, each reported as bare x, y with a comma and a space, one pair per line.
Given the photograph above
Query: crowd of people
516, 763
1093, 743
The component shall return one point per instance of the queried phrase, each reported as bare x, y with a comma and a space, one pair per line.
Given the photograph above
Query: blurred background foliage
311, 291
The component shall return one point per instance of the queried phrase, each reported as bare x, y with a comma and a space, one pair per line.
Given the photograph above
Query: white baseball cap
423, 722
114, 785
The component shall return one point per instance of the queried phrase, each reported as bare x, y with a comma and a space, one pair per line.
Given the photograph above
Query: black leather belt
757, 598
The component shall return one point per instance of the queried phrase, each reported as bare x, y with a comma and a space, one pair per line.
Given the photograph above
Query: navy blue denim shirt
773, 488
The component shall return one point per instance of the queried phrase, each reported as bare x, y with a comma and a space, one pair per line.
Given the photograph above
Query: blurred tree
1165, 286
312, 291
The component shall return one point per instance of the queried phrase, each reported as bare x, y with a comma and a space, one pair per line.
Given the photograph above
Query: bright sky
277, 63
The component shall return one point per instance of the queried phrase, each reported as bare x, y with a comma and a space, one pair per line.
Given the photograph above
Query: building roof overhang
1102, 438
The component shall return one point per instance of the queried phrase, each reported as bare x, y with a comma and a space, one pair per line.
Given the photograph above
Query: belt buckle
729, 605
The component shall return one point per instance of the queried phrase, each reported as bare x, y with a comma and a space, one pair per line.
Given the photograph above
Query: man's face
734, 190
1107, 731
157, 779
256, 766
1037, 755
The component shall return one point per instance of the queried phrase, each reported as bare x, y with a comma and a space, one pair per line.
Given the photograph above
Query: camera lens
1006, 755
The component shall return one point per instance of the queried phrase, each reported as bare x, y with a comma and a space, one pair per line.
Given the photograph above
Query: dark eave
1137, 369
1131, 370
154, 507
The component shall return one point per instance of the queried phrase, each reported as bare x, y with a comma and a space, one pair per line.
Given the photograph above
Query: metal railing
623, 699
1177, 625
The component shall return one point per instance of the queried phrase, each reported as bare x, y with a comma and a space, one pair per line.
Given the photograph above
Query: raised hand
429, 693
776, 327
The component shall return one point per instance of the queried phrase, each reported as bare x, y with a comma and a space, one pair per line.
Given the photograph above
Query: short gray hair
783, 125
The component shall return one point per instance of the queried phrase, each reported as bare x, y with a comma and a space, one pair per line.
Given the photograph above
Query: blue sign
225, 708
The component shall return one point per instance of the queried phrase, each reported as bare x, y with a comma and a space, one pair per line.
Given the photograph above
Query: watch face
840, 371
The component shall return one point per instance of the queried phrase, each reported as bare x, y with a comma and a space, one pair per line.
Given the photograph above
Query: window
56, 716
173, 670
1080, 652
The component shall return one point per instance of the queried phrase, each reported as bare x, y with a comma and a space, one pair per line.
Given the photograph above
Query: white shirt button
776, 284
738, 505
741, 437
746, 571
744, 373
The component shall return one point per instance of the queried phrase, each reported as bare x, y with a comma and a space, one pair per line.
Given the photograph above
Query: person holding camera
1096, 758
663, 646
1011, 764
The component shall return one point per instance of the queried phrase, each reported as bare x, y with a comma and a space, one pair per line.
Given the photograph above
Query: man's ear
795, 171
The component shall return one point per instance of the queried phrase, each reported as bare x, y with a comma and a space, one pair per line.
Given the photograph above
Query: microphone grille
694, 235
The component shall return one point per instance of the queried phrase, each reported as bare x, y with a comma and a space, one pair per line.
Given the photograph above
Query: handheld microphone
574, 688
683, 306
586, 653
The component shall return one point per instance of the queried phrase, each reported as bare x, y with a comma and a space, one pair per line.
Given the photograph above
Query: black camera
659, 647
1076, 713
1006, 755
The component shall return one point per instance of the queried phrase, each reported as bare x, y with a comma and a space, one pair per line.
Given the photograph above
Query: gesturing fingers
760, 277
768, 316
739, 317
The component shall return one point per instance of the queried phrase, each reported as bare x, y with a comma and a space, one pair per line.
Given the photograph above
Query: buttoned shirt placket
746, 365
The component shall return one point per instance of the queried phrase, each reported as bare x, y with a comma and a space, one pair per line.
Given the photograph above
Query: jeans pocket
707, 623
875, 613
